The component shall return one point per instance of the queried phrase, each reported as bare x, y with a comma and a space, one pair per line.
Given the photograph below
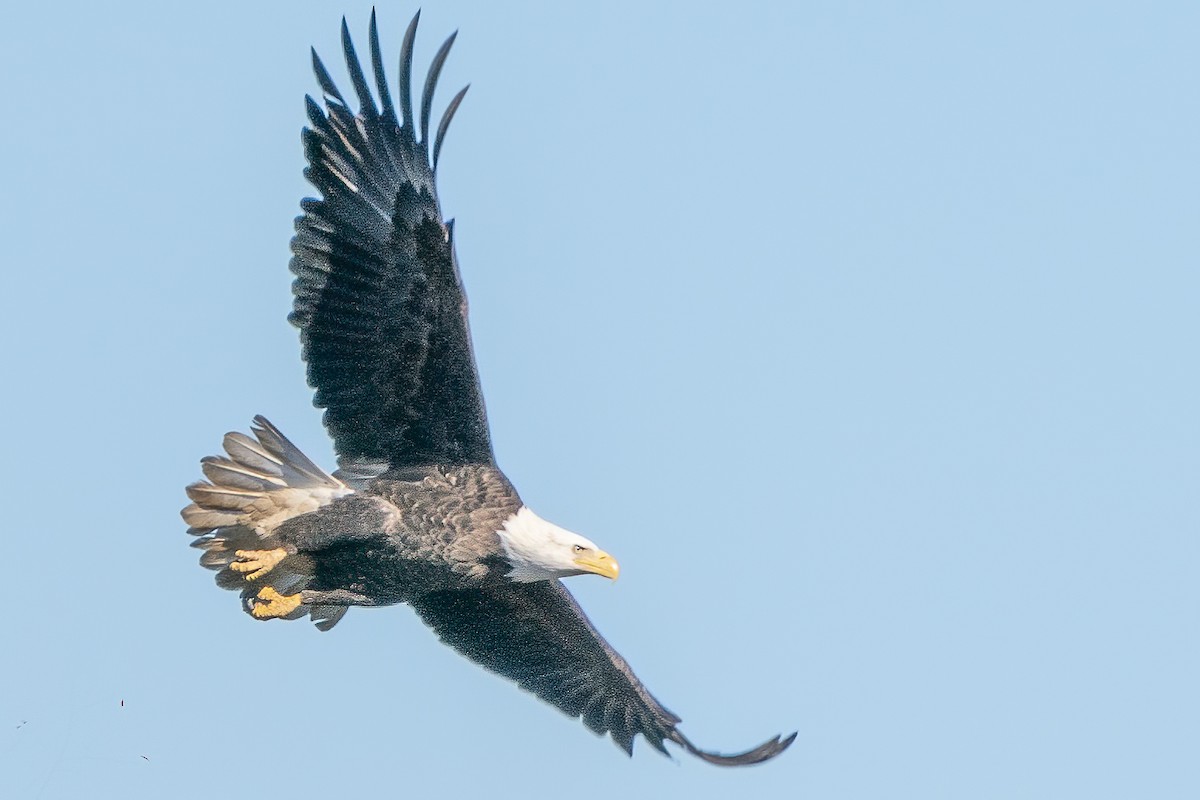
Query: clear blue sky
865, 335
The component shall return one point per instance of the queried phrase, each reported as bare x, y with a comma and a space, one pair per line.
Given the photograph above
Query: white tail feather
260, 485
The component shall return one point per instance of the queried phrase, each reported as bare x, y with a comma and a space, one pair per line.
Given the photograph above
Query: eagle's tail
259, 484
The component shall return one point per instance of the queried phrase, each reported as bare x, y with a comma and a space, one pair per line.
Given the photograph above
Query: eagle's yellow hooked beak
598, 562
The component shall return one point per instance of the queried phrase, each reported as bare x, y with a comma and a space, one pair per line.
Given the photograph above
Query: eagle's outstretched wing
537, 635
378, 299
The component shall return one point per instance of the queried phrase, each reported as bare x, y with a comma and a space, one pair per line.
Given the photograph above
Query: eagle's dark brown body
401, 538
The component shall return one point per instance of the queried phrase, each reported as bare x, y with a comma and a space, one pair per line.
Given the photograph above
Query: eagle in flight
418, 512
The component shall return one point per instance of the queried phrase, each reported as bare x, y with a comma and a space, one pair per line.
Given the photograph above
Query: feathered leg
327, 607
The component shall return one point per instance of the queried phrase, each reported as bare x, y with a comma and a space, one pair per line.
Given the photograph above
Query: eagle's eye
579, 548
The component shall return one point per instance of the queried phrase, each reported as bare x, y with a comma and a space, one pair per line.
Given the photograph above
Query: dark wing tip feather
435, 70
315, 115
385, 96
445, 123
328, 87
764, 752
366, 101
406, 57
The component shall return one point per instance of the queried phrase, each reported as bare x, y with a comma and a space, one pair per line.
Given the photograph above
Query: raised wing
378, 299
537, 635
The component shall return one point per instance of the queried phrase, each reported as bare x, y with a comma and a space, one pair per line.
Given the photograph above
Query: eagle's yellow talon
256, 563
270, 604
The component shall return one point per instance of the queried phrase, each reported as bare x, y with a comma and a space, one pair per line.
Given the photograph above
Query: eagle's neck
534, 547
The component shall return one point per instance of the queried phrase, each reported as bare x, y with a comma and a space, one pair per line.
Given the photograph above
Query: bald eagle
418, 511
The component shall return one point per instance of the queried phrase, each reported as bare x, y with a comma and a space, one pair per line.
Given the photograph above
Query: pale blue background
864, 334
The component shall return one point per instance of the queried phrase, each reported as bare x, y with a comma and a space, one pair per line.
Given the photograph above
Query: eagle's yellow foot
256, 563
270, 604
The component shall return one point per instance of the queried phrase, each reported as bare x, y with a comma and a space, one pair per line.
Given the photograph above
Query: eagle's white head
540, 551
